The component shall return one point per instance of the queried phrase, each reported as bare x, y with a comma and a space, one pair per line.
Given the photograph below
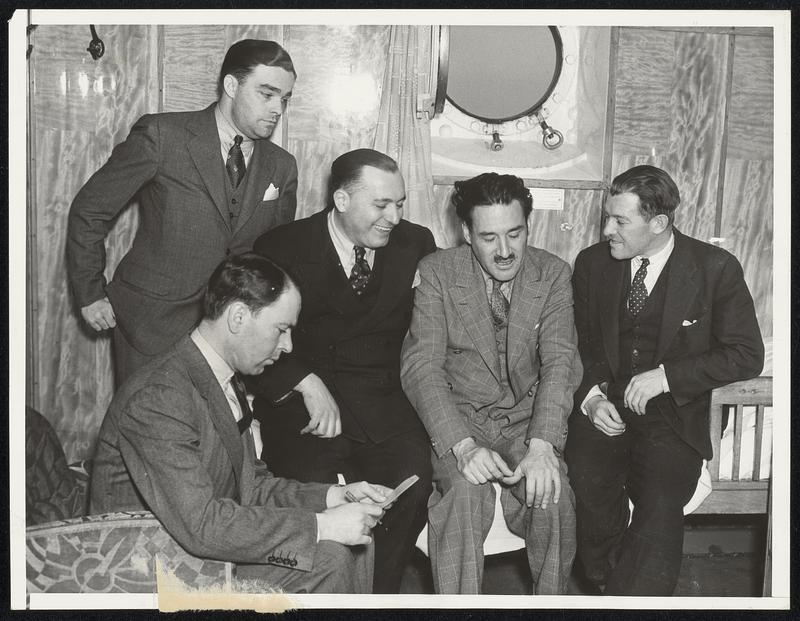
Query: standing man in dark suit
177, 441
491, 362
207, 182
355, 263
662, 319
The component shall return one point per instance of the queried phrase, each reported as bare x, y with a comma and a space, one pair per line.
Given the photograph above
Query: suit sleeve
595, 369
561, 370
287, 202
423, 359
736, 351
162, 450
132, 164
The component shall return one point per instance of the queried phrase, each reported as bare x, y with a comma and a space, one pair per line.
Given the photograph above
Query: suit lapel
218, 409
610, 294
395, 259
204, 149
527, 300
469, 297
259, 173
682, 288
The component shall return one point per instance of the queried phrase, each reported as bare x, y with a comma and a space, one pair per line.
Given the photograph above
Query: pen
350, 497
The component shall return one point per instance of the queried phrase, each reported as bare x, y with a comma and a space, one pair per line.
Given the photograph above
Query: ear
659, 224
341, 199
236, 314
230, 85
465, 231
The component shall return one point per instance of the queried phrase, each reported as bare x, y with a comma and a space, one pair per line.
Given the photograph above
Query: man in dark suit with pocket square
356, 264
207, 182
662, 319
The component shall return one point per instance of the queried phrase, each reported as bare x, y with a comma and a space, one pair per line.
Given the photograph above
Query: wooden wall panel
670, 112
747, 207
324, 119
192, 57
81, 109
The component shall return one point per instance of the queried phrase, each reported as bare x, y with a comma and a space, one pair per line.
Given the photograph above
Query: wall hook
551, 138
96, 46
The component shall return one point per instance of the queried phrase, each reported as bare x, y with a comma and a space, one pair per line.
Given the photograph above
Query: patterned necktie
638, 293
235, 162
247, 415
359, 275
499, 305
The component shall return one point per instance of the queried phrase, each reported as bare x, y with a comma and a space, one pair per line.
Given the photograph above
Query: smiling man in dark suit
177, 441
355, 263
662, 319
207, 183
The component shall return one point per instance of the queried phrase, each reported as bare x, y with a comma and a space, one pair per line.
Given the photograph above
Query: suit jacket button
293, 562
227, 251
270, 559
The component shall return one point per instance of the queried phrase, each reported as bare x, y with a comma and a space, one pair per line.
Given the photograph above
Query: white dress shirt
223, 373
344, 246
657, 262
227, 133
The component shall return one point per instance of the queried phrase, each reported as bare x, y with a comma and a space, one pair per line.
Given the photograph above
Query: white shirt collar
221, 369
344, 246
227, 132
657, 260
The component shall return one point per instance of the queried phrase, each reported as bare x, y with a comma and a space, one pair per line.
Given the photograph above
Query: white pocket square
687, 322
271, 193
417, 280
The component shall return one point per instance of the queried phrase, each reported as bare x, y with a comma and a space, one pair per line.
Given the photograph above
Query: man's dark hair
656, 190
246, 54
346, 170
489, 189
248, 278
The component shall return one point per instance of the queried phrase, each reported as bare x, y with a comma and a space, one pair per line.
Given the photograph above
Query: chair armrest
111, 553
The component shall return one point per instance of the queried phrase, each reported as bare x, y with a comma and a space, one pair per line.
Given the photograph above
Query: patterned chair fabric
112, 553
109, 553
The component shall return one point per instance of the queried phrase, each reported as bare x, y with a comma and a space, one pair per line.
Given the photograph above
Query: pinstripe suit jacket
451, 366
171, 163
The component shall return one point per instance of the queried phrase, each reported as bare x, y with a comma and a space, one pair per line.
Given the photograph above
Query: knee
335, 567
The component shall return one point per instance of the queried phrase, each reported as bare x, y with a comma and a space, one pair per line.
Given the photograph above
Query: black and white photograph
399, 309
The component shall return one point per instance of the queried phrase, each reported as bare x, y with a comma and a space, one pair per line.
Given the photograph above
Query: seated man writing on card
177, 440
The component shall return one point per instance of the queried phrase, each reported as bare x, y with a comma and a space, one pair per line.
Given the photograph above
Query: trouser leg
460, 515
663, 475
389, 463
598, 470
127, 359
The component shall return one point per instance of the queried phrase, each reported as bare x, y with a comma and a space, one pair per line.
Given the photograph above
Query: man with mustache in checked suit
355, 263
490, 363
207, 182
662, 319
177, 440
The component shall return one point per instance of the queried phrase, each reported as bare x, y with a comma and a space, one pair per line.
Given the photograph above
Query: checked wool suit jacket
451, 367
172, 164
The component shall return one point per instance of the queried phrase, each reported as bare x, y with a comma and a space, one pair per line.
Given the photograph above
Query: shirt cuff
664, 383
594, 391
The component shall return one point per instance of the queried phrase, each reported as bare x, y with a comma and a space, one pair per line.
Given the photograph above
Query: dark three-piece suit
699, 322
353, 344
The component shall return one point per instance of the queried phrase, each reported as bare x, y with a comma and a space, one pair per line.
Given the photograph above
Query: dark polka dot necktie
235, 162
638, 292
499, 305
247, 415
359, 275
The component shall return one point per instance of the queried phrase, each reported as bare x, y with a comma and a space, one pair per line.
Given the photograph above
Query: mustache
499, 259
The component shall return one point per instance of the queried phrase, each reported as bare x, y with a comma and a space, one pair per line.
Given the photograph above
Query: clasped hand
539, 467
99, 315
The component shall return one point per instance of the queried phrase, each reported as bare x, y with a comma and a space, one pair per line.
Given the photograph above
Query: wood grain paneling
670, 112
324, 120
81, 109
